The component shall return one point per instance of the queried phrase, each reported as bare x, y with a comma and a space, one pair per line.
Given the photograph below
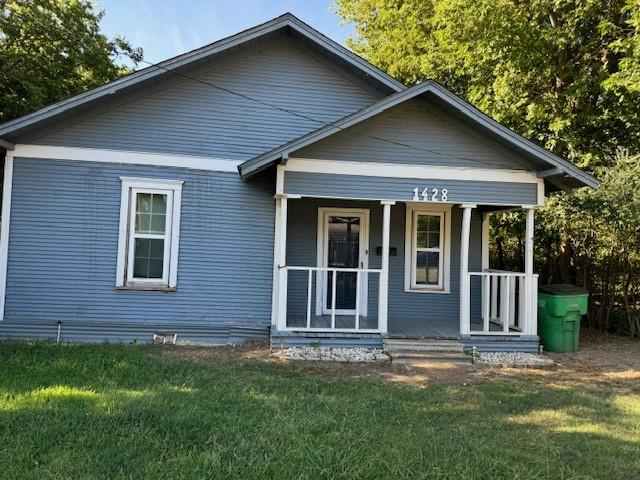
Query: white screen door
343, 243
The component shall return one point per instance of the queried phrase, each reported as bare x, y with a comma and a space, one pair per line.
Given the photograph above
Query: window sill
147, 288
427, 290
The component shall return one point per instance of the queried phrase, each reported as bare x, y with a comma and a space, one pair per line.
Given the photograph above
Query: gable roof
556, 170
155, 73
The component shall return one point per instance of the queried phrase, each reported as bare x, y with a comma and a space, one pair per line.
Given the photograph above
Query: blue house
271, 184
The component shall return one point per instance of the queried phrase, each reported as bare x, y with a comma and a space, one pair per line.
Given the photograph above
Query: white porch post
276, 270
465, 294
531, 312
282, 261
486, 224
383, 296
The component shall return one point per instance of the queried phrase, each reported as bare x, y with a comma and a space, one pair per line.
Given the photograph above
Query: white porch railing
323, 275
508, 303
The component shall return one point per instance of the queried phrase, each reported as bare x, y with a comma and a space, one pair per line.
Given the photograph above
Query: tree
565, 74
561, 73
52, 49
626, 80
627, 47
602, 228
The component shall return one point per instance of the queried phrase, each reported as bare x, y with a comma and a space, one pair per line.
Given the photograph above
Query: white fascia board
427, 172
126, 157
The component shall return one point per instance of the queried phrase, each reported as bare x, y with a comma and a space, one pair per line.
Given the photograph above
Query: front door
344, 245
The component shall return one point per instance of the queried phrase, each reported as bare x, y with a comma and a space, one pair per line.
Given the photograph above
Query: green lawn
109, 411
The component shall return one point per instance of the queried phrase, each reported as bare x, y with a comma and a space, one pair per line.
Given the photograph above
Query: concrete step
435, 357
423, 351
424, 346
454, 347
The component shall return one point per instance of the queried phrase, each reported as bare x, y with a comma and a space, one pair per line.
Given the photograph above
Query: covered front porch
366, 269
382, 223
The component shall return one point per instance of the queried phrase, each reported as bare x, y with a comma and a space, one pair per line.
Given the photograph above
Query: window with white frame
149, 233
427, 248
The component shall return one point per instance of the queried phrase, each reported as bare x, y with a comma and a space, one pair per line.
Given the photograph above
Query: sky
165, 28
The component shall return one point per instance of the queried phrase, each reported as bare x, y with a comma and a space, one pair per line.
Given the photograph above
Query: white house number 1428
430, 194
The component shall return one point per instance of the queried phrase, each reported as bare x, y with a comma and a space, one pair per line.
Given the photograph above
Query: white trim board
124, 263
511, 206
541, 193
126, 157
4, 227
280, 180
400, 170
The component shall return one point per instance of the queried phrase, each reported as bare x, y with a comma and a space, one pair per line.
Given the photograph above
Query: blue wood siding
187, 117
63, 247
415, 132
363, 187
404, 307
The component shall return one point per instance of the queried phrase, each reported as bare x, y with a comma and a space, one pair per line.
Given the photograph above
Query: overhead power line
321, 123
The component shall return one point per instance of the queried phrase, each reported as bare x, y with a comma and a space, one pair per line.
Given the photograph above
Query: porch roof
559, 173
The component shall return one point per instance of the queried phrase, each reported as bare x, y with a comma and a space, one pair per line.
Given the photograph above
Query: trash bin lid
562, 289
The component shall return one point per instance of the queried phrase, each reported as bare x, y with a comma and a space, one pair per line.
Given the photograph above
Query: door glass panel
343, 250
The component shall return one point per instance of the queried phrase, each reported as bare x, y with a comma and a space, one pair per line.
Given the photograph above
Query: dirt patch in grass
258, 350
604, 362
415, 373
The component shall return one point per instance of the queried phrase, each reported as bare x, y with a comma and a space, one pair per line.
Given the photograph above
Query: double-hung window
149, 233
427, 248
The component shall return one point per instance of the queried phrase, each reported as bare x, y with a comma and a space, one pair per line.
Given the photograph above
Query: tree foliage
563, 73
52, 49
602, 230
627, 47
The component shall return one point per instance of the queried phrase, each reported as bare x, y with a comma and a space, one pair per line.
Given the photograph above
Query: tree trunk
564, 262
501, 259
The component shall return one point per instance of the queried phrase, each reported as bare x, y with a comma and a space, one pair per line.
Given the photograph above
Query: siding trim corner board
7, 185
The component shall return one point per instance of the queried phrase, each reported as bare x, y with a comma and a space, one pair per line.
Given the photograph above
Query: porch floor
420, 327
404, 328
433, 328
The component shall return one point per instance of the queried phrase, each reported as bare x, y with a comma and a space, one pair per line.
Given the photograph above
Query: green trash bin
560, 308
